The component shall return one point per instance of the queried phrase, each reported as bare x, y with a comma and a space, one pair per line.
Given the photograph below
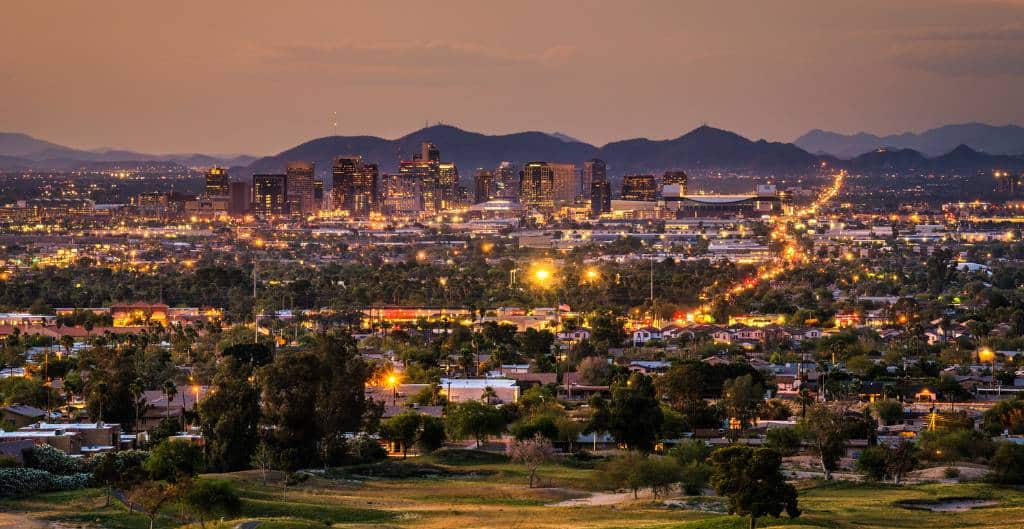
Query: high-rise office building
366, 190
240, 199
566, 183
217, 183
402, 193
536, 185
447, 186
300, 187
600, 197
594, 170
270, 194
354, 185
639, 187
318, 195
483, 186
506, 181
676, 178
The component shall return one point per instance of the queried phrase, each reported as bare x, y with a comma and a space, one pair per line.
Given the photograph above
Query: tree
900, 459
263, 459
473, 419
207, 498
229, 417
151, 496
872, 462
888, 411
403, 428
122, 469
432, 435
312, 397
741, 399
785, 441
825, 433
1008, 464
625, 471
752, 480
532, 453
635, 416
593, 371
1005, 415
660, 474
694, 476
174, 460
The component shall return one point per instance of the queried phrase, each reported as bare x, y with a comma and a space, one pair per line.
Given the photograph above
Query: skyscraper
566, 183
241, 199
594, 170
354, 185
600, 197
677, 178
536, 185
639, 187
506, 181
447, 185
365, 190
300, 187
217, 183
402, 193
270, 194
483, 186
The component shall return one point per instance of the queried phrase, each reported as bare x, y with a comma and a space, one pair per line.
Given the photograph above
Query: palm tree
489, 395
136, 391
170, 390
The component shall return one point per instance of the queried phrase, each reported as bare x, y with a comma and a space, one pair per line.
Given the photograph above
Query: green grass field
494, 495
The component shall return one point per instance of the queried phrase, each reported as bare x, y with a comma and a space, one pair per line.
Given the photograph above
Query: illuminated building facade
506, 181
640, 187
536, 185
483, 186
270, 194
676, 178
565, 183
594, 170
300, 187
354, 186
217, 183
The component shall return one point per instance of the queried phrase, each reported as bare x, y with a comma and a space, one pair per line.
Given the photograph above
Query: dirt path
19, 521
602, 498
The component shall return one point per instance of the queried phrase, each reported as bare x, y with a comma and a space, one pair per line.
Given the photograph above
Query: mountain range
21, 151
702, 150
981, 137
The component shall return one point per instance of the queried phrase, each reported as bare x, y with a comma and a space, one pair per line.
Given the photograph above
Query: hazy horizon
259, 77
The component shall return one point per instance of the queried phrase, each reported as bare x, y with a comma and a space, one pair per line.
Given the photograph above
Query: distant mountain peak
980, 137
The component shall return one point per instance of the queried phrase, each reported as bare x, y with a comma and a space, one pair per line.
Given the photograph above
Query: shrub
29, 481
956, 445
694, 476
432, 435
690, 450
872, 462
951, 472
1008, 464
9, 462
53, 460
364, 449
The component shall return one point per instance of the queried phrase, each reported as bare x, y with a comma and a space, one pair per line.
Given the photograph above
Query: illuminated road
792, 254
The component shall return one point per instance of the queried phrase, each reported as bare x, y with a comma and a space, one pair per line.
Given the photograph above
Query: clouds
963, 52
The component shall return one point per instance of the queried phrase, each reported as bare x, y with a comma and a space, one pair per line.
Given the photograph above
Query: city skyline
771, 73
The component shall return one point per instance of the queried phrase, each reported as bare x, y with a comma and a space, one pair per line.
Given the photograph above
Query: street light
393, 382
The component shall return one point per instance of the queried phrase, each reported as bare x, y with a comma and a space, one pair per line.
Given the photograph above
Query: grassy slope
494, 496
